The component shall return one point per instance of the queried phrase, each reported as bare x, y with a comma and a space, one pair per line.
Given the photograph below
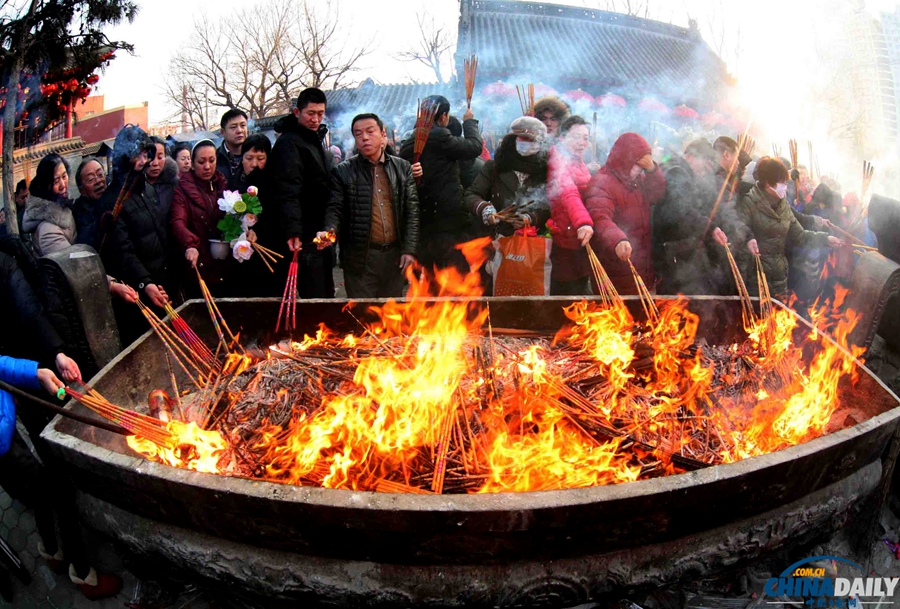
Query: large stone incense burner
552, 548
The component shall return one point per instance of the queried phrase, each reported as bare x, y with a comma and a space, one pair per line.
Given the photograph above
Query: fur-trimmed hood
39, 210
169, 175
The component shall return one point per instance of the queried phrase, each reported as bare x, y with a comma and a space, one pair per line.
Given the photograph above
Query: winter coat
567, 179
28, 332
441, 206
350, 208
140, 240
52, 223
498, 184
20, 373
166, 183
620, 208
224, 167
194, 215
775, 230
88, 214
301, 187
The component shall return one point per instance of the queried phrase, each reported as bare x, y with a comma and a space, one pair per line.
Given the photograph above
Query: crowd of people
155, 219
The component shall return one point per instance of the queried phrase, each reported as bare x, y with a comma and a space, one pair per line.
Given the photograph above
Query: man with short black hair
301, 187
374, 210
234, 132
444, 218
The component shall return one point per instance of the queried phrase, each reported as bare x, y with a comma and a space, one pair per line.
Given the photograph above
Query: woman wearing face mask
618, 198
195, 213
774, 228
570, 223
516, 174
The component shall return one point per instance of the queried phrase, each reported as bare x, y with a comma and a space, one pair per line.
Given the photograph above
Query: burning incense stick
526, 98
868, 173
289, 298
120, 201
776, 151
747, 310
139, 424
795, 160
746, 143
646, 297
812, 162
470, 64
424, 124
216, 317
606, 290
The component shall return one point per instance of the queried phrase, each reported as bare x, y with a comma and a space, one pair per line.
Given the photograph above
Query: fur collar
169, 175
39, 210
507, 159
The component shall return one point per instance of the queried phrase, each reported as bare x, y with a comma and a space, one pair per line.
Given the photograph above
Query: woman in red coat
570, 223
618, 198
195, 213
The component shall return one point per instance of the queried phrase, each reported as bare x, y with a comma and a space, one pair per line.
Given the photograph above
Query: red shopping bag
521, 266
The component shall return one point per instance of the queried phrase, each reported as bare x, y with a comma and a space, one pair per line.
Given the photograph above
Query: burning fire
432, 398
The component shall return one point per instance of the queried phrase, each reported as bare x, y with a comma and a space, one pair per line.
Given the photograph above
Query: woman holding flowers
196, 214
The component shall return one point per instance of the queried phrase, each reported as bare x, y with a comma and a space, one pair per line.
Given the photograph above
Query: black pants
380, 277
315, 277
43, 489
438, 250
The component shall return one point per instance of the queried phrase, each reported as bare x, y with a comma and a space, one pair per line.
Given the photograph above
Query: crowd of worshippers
152, 221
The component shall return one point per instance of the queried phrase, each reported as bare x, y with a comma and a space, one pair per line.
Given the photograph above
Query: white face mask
526, 148
636, 171
781, 190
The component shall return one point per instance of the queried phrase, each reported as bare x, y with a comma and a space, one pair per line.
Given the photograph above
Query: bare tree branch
433, 45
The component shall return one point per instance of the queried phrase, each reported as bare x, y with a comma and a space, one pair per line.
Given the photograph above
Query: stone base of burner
277, 575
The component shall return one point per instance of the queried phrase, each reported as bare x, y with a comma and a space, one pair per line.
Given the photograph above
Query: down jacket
498, 184
775, 228
21, 373
195, 213
567, 178
52, 223
349, 211
620, 208
141, 239
440, 192
301, 184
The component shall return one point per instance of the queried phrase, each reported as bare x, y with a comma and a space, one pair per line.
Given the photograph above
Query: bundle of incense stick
187, 334
746, 304
526, 98
139, 424
812, 162
746, 143
765, 305
424, 123
269, 257
329, 239
605, 288
646, 297
197, 368
508, 213
217, 319
868, 172
795, 155
776, 150
470, 64
120, 200
288, 309
594, 140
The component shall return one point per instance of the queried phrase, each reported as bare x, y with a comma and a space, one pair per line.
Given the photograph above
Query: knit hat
529, 127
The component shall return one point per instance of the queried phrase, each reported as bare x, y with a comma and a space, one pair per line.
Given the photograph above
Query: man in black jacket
300, 189
443, 216
681, 255
89, 207
374, 211
228, 156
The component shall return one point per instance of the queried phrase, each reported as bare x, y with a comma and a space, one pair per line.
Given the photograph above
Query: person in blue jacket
24, 374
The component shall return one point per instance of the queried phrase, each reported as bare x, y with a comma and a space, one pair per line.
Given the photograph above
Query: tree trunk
9, 142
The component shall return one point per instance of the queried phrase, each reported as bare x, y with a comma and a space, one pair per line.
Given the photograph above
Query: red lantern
578, 95
542, 90
685, 112
499, 89
72, 84
50, 89
648, 104
83, 92
610, 100
93, 79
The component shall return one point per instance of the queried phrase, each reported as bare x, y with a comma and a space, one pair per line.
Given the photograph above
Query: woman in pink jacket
570, 222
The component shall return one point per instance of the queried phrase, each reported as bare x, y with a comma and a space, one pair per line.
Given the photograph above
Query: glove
107, 223
487, 215
744, 159
795, 175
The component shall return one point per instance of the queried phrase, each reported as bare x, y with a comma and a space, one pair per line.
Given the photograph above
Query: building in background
94, 123
890, 27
